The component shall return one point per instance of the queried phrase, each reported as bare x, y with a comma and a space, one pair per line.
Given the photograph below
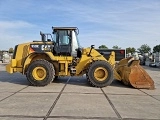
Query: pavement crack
84, 117
20, 116
13, 93
113, 107
149, 95
59, 95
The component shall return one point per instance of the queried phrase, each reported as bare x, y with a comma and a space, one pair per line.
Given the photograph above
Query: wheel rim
39, 73
100, 74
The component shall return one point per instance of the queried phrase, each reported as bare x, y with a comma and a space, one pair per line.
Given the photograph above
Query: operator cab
66, 41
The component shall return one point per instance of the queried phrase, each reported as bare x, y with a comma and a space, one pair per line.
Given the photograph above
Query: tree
103, 47
116, 47
130, 50
10, 50
144, 49
156, 48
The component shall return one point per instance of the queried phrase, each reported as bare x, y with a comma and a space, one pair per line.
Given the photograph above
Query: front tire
40, 73
100, 74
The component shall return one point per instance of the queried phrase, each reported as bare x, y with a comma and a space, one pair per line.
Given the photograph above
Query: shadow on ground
18, 78
15, 78
82, 81
151, 68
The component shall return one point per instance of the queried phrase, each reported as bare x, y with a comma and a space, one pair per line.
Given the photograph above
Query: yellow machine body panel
16, 64
85, 60
23, 51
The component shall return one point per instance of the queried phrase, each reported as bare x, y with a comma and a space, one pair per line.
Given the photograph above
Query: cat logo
45, 47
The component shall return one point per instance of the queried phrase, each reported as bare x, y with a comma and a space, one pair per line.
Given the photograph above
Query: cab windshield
62, 37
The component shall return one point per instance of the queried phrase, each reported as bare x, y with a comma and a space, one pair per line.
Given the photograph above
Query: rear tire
40, 73
100, 74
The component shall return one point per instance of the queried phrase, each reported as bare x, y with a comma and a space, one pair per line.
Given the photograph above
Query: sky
125, 23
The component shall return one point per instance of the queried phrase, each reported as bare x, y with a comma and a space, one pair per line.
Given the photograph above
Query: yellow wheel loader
45, 60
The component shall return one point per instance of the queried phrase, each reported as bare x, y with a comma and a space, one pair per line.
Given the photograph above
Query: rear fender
34, 56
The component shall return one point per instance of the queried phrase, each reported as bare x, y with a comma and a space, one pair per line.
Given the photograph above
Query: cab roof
64, 28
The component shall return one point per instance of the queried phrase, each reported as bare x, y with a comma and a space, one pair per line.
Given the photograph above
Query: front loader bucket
131, 73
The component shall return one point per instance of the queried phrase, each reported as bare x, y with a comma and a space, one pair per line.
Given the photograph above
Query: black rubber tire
50, 72
90, 74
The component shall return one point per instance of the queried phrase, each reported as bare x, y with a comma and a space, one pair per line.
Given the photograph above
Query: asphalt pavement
73, 98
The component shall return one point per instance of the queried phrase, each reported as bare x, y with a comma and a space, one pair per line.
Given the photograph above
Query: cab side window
63, 38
